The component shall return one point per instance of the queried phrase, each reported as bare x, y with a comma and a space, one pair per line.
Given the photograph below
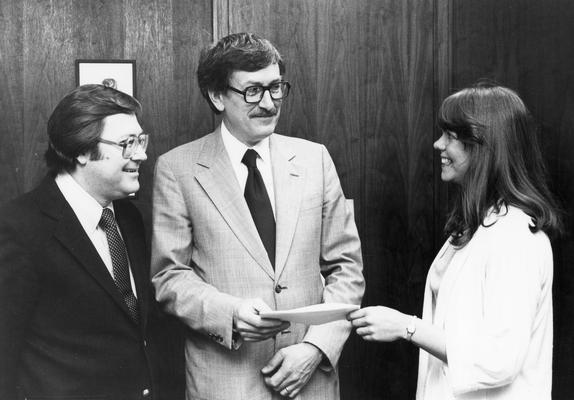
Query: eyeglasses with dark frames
254, 94
130, 145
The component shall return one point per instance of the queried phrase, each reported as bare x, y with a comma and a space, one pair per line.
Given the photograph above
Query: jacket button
146, 392
278, 289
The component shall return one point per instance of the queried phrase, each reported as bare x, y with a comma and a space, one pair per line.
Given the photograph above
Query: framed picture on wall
119, 74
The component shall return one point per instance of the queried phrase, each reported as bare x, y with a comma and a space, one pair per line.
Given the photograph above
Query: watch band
411, 328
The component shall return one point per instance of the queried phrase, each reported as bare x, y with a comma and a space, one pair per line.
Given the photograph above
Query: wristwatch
411, 328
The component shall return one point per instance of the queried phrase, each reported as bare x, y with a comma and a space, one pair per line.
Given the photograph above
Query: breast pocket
311, 202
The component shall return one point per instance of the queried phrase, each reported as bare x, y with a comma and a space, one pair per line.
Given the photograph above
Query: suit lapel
288, 179
69, 232
216, 176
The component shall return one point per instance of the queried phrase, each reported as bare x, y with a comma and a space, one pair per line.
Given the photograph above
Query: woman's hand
384, 324
379, 323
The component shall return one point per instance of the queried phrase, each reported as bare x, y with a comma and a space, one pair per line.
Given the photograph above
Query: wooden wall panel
12, 179
397, 240
46, 41
97, 29
340, 92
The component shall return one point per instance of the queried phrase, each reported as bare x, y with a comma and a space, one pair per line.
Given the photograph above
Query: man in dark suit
76, 304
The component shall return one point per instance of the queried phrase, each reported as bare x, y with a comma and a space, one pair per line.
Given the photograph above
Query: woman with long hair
486, 328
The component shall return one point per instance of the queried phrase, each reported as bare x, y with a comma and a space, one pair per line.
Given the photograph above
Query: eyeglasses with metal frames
130, 145
254, 94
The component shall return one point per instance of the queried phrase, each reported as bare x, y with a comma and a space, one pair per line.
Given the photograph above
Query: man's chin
267, 125
130, 191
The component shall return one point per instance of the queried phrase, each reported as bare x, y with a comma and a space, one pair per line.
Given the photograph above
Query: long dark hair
505, 162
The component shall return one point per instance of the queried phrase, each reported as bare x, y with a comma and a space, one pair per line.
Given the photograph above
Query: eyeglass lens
278, 91
132, 145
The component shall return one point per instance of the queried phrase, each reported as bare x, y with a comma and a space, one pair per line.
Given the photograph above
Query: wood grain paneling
398, 178
340, 91
47, 38
12, 179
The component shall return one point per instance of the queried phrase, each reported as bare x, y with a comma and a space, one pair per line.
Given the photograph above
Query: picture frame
119, 74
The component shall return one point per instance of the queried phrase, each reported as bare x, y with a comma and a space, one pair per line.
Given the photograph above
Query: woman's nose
439, 144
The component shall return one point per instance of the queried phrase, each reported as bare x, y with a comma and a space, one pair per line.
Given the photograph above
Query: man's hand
291, 368
250, 326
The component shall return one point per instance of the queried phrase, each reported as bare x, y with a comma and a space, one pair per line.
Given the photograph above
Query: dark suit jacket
65, 331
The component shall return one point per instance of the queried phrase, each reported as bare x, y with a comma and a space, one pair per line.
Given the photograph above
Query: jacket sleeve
179, 289
341, 263
19, 285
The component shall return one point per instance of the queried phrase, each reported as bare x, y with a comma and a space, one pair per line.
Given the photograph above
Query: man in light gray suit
244, 221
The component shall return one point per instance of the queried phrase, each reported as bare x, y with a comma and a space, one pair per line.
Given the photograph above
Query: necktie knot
250, 158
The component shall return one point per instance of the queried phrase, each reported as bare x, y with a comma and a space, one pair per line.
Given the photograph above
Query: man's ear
216, 100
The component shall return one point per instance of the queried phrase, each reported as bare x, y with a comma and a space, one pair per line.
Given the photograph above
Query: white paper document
313, 315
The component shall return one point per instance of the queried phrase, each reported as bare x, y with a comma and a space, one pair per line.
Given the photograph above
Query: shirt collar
236, 149
87, 209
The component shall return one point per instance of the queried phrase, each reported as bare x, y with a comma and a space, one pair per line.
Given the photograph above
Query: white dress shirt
236, 150
89, 212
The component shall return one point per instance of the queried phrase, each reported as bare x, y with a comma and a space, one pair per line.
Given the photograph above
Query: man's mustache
264, 114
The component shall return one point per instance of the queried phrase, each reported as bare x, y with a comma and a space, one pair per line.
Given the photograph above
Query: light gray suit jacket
207, 255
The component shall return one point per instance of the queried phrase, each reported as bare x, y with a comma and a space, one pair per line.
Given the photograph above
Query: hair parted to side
505, 162
236, 52
77, 121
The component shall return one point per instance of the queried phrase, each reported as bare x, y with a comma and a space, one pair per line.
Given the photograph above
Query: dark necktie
259, 204
119, 262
